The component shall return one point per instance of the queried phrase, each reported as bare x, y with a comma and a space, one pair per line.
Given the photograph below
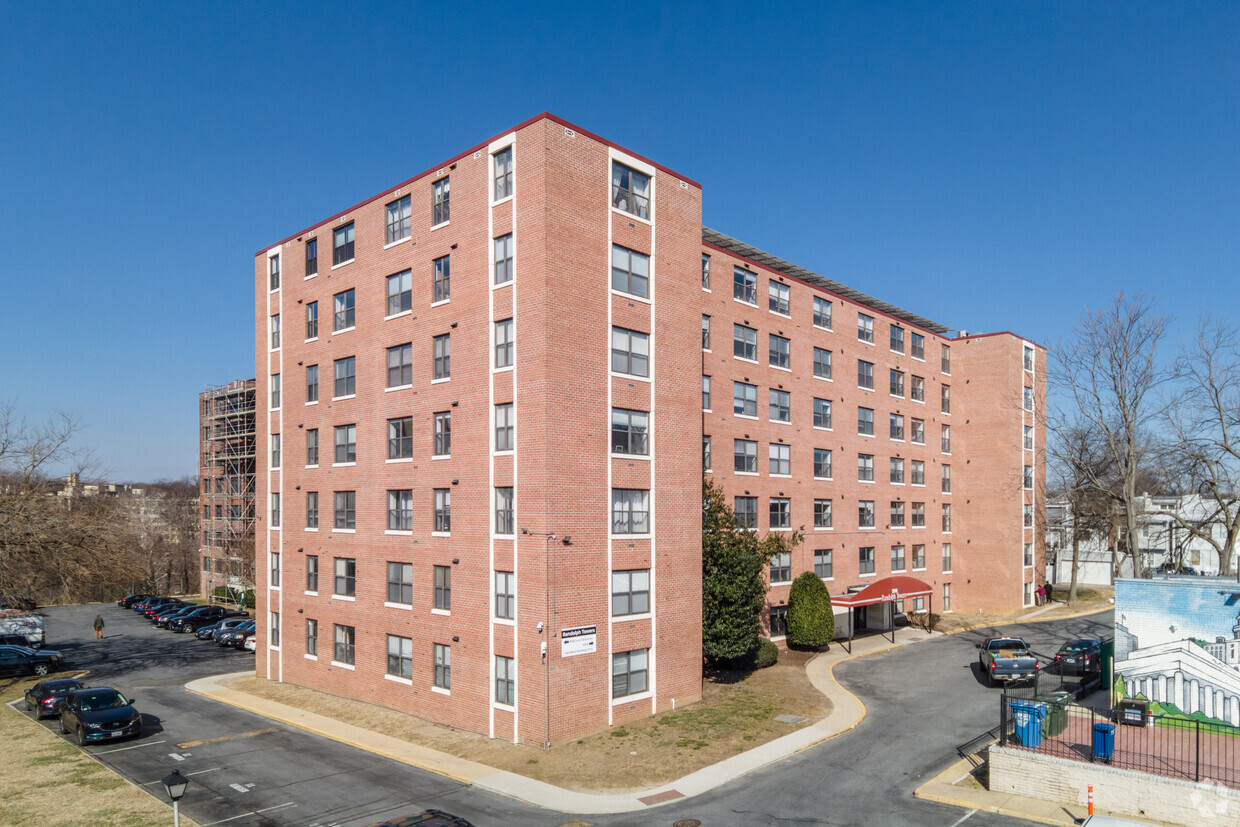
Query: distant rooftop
779, 265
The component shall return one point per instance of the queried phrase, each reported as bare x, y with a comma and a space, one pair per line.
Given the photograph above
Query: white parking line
199, 772
964, 818
122, 749
251, 813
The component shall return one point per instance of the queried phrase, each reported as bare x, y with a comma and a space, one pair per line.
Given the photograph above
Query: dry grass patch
736, 713
50, 782
1089, 599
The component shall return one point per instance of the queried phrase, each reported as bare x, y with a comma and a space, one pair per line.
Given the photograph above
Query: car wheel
41, 669
81, 737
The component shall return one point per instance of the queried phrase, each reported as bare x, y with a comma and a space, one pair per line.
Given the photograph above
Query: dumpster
1104, 742
1056, 713
1028, 716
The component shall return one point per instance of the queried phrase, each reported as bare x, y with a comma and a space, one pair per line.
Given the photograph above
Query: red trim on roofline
541, 116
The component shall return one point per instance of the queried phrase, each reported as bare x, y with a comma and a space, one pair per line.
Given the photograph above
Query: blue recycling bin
1104, 742
1028, 716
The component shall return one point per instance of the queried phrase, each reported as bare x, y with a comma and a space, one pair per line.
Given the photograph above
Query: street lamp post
175, 784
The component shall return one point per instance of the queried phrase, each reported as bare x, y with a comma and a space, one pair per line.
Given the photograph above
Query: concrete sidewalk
946, 789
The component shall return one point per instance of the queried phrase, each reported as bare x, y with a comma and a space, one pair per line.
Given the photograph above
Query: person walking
98, 626
1041, 596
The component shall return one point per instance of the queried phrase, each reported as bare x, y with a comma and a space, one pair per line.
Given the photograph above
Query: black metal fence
1170, 746
1051, 678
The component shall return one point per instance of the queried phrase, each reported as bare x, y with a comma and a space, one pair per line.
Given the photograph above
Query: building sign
581, 640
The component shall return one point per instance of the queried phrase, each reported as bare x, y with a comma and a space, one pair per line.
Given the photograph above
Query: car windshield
108, 700
1077, 646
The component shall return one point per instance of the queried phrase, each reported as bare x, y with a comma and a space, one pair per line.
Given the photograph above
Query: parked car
209, 632
1082, 656
159, 608
162, 619
141, 606
1006, 659
202, 616
28, 625
99, 715
251, 643
426, 818
22, 660
1172, 568
128, 600
235, 636
45, 697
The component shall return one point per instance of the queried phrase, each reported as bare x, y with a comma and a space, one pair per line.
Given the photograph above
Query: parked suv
22, 660
99, 715
202, 616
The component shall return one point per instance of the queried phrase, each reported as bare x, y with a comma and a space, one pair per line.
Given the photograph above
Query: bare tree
1204, 436
1110, 371
1078, 457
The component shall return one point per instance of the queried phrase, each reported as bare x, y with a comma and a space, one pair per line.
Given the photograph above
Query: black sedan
209, 632
1082, 656
99, 715
235, 636
164, 619
199, 617
45, 697
22, 660
128, 600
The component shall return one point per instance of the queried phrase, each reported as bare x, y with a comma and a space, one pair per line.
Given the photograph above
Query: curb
942, 790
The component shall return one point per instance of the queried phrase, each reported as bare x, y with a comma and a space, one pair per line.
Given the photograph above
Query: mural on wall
1177, 644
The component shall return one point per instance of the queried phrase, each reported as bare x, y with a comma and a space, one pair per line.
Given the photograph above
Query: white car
251, 643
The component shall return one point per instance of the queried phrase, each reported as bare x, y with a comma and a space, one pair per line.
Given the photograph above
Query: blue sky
992, 166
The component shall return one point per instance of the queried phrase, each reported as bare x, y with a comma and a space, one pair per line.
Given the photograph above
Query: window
630, 271
346, 443
778, 621
312, 383
947, 518
400, 293
781, 406
780, 351
400, 366
400, 437
275, 391
274, 577
918, 346
398, 220
503, 259
706, 453
630, 592
945, 399
442, 352
503, 344
346, 377
822, 463
346, 577
780, 457
443, 666
440, 196
865, 328
919, 556
312, 320
746, 510
822, 413
630, 352
312, 510
400, 582
502, 161
781, 567
275, 332
504, 428
781, 512
777, 298
744, 286
897, 558
865, 467
400, 510
945, 440
705, 272
897, 339
312, 637
312, 257
275, 450
312, 567
1028, 444
400, 657
897, 382
1028, 399
705, 332
342, 244
504, 521
745, 454
865, 374
706, 393
865, 421
918, 391
865, 560
1028, 514
945, 360
744, 399
947, 557
443, 587
441, 289
1028, 554
897, 471
895, 426
822, 363
918, 472
896, 514
628, 672
865, 513
947, 479
346, 509
505, 681
918, 432
343, 652
442, 446
312, 446
822, 313
822, 563
505, 595
630, 511
630, 190
918, 511
744, 342
443, 510
629, 430
947, 597
822, 513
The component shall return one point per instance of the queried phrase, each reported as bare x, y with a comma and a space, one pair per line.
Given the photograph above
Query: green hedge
811, 620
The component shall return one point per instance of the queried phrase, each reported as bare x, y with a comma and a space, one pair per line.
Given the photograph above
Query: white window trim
441, 224
626, 618
504, 621
344, 597
351, 667
344, 531
398, 315
629, 376
346, 263
398, 459
439, 689
311, 657
638, 696
444, 612
440, 381
622, 294
398, 241
406, 606
397, 679
346, 396
398, 388
441, 302
348, 329
398, 533
311, 594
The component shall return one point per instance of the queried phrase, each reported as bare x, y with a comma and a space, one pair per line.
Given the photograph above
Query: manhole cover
790, 719
687, 822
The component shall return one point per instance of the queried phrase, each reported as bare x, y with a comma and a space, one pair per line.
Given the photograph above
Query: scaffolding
226, 479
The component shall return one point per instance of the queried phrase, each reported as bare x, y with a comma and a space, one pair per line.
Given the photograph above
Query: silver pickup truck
1006, 659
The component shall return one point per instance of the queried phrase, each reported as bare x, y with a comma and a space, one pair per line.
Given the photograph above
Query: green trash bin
1056, 720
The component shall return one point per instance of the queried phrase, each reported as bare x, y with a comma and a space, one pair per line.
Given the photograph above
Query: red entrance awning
889, 589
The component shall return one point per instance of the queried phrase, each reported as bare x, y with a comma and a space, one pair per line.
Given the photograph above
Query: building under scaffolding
226, 473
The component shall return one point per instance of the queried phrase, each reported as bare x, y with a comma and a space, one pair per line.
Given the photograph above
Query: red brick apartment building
482, 440
227, 421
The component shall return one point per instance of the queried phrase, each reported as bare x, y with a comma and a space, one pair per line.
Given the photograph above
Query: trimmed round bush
767, 654
811, 621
